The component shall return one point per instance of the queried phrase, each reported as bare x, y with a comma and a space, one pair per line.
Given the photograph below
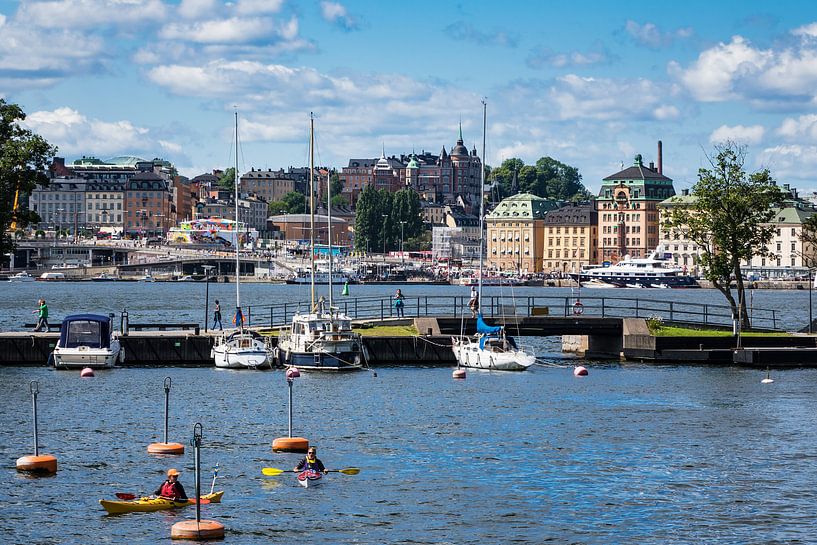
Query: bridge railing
497, 306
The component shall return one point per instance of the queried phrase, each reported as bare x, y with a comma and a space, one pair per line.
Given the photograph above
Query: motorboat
243, 348
21, 277
87, 340
491, 348
104, 277
147, 277
186, 278
644, 272
51, 277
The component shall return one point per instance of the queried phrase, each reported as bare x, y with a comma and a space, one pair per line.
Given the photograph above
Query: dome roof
459, 149
413, 162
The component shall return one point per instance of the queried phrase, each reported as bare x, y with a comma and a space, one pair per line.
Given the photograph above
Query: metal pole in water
197, 431
289, 383
167, 404
34, 387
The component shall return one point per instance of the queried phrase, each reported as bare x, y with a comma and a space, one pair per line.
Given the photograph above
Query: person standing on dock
473, 303
217, 317
42, 315
399, 303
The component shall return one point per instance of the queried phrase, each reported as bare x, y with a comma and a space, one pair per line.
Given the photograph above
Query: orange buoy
165, 448
290, 444
198, 530
580, 371
86, 373
458, 373
42, 463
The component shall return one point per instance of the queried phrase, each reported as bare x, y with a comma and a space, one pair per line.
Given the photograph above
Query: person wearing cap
311, 462
171, 489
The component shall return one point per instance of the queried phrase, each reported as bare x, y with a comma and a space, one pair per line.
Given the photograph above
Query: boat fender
580, 371
87, 372
578, 308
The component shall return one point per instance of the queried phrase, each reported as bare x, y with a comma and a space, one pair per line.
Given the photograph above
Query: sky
588, 83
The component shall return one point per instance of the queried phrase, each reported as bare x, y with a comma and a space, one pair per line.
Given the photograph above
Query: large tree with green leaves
548, 178
728, 218
291, 203
227, 180
24, 159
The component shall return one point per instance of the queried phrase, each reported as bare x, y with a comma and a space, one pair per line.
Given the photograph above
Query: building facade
147, 204
61, 204
515, 233
571, 238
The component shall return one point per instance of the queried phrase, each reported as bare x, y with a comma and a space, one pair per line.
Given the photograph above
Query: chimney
685, 192
660, 158
652, 165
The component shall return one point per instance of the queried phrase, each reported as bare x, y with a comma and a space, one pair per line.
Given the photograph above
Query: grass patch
387, 331
676, 331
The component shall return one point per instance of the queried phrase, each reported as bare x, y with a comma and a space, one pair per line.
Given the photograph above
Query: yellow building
515, 232
571, 238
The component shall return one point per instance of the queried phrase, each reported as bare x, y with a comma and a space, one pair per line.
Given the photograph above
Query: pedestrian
42, 315
473, 303
399, 303
217, 316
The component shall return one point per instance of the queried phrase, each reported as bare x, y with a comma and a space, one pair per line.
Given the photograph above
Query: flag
239, 317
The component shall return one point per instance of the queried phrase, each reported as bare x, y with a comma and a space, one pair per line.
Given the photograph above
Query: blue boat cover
92, 330
482, 327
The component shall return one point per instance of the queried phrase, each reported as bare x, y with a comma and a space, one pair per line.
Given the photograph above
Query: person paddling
311, 462
171, 489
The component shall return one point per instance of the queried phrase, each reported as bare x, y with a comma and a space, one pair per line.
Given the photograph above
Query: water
630, 454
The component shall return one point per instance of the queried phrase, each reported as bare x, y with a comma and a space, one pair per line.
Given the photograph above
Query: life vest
169, 490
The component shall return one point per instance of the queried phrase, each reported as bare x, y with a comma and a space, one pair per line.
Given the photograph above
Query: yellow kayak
147, 504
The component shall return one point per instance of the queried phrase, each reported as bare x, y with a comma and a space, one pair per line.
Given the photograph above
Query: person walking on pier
217, 317
42, 315
399, 303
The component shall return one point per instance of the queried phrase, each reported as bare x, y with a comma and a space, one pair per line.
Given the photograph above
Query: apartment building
571, 238
515, 233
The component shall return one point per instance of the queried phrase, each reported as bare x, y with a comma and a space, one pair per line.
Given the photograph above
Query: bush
655, 323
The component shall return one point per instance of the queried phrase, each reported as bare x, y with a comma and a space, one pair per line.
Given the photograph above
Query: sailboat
241, 349
321, 339
491, 348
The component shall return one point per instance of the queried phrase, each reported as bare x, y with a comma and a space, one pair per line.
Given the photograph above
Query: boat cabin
91, 330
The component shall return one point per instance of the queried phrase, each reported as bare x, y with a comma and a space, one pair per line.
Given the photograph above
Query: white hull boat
241, 350
21, 277
87, 340
491, 353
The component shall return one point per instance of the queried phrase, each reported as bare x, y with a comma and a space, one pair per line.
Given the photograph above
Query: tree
227, 180
406, 208
369, 223
24, 159
561, 182
729, 220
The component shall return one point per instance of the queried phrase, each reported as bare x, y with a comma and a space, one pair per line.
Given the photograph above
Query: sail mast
482, 202
329, 230
312, 208
237, 259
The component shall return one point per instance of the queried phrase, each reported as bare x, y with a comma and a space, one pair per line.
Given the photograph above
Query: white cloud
234, 30
255, 7
789, 162
171, 147
90, 14
74, 133
337, 14
806, 31
804, 127
738, 133
542, 57
196, 9
651, 36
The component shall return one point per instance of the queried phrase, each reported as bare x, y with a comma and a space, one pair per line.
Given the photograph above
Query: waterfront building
105, 205
61, 204
253, 212
685, 252
571, 238
271, 185
516, 232
627, 208
147, 204
296, 227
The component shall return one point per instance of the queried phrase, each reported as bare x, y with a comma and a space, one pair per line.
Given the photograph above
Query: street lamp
385, 217
402, 253
207, 269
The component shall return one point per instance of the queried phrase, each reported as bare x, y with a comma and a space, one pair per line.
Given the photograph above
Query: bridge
537, 315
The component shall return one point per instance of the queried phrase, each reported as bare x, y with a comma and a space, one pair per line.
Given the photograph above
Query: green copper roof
522, 206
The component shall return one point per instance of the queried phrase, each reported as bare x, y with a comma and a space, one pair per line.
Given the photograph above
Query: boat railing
498, 306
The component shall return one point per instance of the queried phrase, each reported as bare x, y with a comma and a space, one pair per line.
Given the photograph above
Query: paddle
126, 496
273, 471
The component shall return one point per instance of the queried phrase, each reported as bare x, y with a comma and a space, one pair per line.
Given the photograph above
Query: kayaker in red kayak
311, 462
171, 488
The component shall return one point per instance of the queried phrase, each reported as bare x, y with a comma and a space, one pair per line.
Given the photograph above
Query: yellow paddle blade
350, 471
271, 471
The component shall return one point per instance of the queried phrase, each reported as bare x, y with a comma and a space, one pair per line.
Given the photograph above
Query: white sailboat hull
468, 353
85, 356
241, 351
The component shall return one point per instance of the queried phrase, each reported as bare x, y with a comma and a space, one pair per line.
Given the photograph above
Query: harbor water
633, 453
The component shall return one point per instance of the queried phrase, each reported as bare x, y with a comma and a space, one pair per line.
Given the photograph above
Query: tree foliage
378, 218
227, 180
548, 178
291, 203
728, 219
24, 159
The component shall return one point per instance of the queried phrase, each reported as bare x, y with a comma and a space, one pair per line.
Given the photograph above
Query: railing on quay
497, 307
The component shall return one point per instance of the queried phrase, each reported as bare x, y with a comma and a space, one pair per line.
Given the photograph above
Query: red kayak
309, 478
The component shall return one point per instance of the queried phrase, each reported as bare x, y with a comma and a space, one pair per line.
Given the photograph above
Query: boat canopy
482, 327
91, 330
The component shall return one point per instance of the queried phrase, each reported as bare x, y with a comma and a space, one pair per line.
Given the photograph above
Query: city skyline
587, 83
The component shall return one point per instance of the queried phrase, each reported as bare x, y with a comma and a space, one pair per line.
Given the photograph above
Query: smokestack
660, 158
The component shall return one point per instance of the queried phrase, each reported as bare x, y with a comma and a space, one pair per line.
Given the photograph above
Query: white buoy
86, 373
458, 373
768, 379
580, 371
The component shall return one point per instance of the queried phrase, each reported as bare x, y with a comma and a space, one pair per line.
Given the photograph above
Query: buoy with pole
198, 529
165, 447
38, 463
289, 443
768, 379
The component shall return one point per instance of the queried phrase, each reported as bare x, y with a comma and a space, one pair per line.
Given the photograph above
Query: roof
522, 206
572, 214
637, 172
86, 318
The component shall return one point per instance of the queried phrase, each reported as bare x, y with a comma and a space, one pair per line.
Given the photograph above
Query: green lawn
676, 331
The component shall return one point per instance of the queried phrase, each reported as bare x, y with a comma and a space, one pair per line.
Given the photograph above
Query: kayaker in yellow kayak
171, 489
311, 462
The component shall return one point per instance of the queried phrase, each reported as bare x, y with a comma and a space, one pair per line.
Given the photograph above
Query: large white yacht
655, 271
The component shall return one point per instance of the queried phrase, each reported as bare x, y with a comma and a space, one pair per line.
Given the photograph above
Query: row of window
576, 253
613, 241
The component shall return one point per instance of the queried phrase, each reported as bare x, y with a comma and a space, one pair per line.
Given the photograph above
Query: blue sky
588, 83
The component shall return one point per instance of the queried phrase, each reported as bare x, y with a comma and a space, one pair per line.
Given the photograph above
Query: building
628, 210
271, 185
148, 205
685, 252
61, 204
105, 206
296, 227
571, 238
253, 212
515, 233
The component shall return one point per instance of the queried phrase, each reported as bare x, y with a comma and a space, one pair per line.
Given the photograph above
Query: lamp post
385, 218
402, 254
207, 269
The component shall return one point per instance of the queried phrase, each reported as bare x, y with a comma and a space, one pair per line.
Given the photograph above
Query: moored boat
310, 478
646, 272
87, 340
21, 277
